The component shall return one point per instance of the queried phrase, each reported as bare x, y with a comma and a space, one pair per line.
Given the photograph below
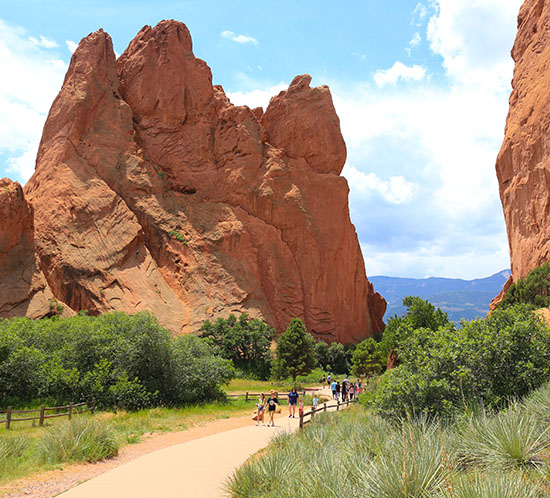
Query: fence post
337, 404
92, 410
70, 410
246, 395
312, 412
301, 420
8, 417
42, 408
325, 406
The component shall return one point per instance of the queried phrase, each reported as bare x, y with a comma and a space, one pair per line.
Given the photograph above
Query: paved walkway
196, 469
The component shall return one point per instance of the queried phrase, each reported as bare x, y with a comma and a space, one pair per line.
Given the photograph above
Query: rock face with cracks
153, 192
523, 164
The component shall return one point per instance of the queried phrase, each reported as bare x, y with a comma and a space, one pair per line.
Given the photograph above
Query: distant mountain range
459, 298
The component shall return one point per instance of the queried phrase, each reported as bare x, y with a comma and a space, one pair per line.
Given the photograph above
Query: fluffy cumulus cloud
71, 45
397, 72
442, 136
24, 104
229, 35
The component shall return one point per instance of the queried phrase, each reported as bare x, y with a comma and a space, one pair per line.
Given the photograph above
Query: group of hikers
271, 405
345, 392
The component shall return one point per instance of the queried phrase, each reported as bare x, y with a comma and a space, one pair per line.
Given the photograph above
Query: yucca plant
494, 485
538, 403
411, 466
80, 439
511, 439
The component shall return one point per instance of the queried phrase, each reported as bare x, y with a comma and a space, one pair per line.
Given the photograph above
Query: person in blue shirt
292, 400
333, 387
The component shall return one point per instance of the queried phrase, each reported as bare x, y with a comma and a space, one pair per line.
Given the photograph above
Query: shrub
80, 439
533, 289
488, 361
124, 360
244, 341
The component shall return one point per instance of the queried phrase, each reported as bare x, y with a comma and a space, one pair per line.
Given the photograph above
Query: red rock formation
523, 164
153, 192
24, 291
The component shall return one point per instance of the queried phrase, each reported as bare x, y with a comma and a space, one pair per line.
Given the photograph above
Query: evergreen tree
295, 352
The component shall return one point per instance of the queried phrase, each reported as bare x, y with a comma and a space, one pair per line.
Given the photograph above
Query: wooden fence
248, 395
71, 409
324, 408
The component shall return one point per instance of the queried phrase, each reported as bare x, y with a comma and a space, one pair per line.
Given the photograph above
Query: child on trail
333, 387
351, 391
261, 409
315, 402
323, 380
271, 407
337, 391
292, 400
300, 407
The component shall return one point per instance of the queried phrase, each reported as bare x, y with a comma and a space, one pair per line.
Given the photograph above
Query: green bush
488, 361
533, 289
82, 439
245, 341
122, 360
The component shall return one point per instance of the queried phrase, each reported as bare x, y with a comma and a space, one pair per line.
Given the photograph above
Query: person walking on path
337, 390
324, 380
315, 402
300, 407
329, 379
261, 409
351, 391
271, 407
333, 387
292, 400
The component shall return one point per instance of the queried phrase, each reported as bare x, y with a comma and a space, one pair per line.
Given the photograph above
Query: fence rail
248, 395
325, 408
72, 409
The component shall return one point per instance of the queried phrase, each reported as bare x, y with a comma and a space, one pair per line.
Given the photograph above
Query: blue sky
421, 88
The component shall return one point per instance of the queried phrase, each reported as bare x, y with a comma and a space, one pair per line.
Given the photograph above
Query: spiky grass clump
12, 450
323, 460
538, 404
495, 485
81, 439
511, 439
413, 465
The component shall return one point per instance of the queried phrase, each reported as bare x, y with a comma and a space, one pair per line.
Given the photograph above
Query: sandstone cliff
153, 192
523, 164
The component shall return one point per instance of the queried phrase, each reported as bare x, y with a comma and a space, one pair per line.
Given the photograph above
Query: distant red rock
153, 192
523, 164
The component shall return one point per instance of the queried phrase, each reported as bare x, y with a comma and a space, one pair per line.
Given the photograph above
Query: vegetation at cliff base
127, 361
245, 341
295, 352
534, 289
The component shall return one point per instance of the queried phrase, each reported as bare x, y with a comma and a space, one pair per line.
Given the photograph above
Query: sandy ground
49, 484
189, 464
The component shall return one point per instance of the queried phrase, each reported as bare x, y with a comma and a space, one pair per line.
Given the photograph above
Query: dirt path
192, 463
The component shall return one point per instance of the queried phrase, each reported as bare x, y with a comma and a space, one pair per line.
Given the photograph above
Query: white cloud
229, 35
399, 71
24, 103
71, 45
419, 14
43, 42
256, 98
395, 190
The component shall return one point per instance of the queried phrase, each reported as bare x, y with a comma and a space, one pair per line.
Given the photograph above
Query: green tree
295, 352
338, 358
321, 355
245, 341
420, 314
367, 358
533, 289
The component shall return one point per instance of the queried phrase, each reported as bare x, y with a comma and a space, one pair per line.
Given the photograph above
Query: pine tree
295, 352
